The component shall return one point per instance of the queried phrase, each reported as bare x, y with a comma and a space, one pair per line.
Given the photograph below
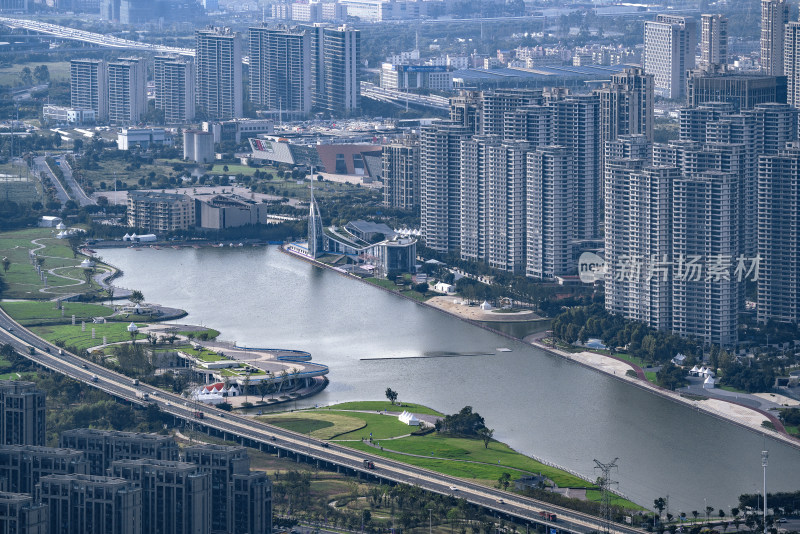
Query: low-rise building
237, 129
160, 212
401, 77
128, 138
67, 115
228, 211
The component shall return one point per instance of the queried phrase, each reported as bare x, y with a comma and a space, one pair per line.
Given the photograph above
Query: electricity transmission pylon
605, 482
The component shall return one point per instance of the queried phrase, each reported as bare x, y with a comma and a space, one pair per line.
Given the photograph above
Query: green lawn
321, 426
404, 290
597, 496
730, 388
210, 332
73, 337
59, 71
21, 277
233, 170
793, 430
205, 355
631, 359
651, 377
37, 312
379, 406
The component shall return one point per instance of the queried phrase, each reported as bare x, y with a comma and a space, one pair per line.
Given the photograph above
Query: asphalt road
41, 167
77, 191
122, 387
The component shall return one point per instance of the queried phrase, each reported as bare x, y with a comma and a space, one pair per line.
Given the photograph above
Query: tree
709, 509
136, 296
263, 389
246, 385
695, 513
6, 264
486, 435
88, 274
40, 261
41, 74
391, 395
25, 76
504, 480
659, 504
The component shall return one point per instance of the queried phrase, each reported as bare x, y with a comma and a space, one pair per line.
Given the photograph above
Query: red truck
369, 465
198, 415
548, 516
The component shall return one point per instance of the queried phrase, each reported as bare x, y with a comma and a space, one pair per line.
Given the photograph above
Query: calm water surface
537, 403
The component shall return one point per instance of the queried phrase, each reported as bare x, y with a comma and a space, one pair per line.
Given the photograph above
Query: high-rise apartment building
176, 496
705, 301
550, 225
21, 466
779, 237
669, 48
102, 447
440, 184
175, 88
280, 69
127, 90
22, 413
714, 39
576, 126
495, 104
342, 58
223, 463
401, 174
774, 17
744, 90
88, 86
638, 241
20, 514
218, 62
251, 503
791, 63
626, 105
78, 504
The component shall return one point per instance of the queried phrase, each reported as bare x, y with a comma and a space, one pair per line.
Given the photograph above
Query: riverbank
741, 415
752, 419
374, 427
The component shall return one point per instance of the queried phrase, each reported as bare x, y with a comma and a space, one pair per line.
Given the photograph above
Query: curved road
77, 191
120, 386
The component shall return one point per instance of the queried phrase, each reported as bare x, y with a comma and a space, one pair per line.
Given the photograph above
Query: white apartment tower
401, 174
713, 39
626, 104
127, 90
175, 88
551, 204
638, 241
280, 69
669, 47
218, 74
705, 218
88, 86
440, 184
779, 237
791, 63
774, 18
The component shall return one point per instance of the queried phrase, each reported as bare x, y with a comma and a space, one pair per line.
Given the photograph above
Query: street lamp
764, 457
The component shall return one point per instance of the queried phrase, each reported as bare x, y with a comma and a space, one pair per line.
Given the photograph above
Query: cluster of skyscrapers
293, 71
527, 180
120, 482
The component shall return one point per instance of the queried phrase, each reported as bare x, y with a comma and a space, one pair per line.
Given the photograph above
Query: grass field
73, 337
322, 426
379, 406
59, 71
390, 285
37, 312
205, 355
21, 277
212, 334
461, 457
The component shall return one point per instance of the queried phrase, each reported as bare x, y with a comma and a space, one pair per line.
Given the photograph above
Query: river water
539, 404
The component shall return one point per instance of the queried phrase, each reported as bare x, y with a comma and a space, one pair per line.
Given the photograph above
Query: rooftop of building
368, 227
117, 434
39, 450
156, 196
